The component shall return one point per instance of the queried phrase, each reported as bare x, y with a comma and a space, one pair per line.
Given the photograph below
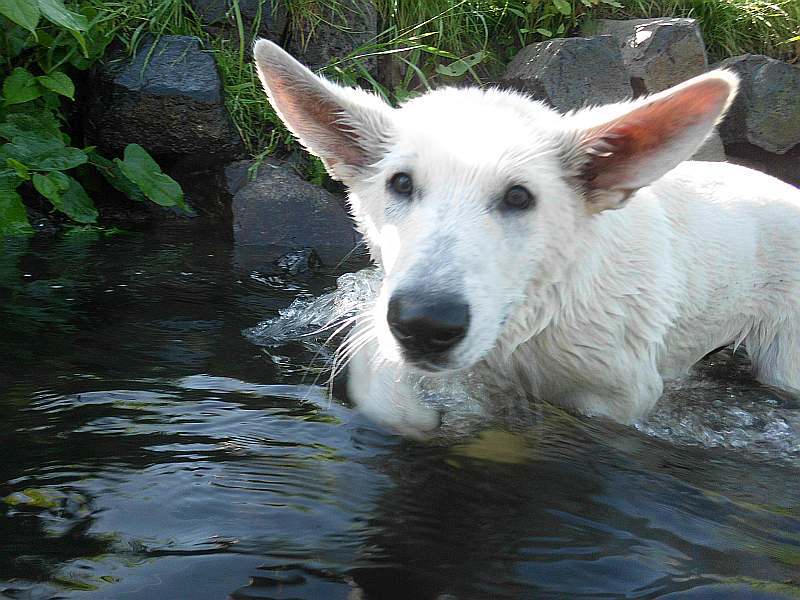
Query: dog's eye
401, 184
517, 198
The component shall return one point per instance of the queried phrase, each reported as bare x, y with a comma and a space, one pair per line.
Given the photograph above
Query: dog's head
467, 196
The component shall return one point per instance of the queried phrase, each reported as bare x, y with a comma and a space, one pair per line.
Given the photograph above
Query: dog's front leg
385, 392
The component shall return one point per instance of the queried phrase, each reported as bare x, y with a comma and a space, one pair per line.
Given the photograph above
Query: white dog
494, 220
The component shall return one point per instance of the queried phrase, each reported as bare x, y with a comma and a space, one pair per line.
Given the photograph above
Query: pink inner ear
621, 146
316, 120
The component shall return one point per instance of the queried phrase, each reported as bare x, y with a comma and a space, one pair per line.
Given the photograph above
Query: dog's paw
385, 393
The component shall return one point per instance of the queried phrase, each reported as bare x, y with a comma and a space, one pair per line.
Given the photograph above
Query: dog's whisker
365, 317
346, 352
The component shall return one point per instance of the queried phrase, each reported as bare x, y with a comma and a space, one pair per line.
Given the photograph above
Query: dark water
149, 450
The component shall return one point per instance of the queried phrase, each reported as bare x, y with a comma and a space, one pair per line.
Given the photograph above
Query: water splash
304, 317
720, 406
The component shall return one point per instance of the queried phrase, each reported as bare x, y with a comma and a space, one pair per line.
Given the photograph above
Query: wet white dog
495, 221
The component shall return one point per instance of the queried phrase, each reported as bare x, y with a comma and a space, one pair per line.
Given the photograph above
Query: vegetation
441, 41
44, 43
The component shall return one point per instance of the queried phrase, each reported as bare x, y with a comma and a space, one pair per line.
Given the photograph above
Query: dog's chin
427, 367
437, 366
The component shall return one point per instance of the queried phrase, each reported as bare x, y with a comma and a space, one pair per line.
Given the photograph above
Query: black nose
427, 325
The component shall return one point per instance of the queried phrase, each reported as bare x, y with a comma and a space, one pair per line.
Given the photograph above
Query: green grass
435, 41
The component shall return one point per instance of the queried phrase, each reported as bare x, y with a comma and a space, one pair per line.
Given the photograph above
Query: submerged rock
169, 99
658, 53
300, 262
279, 208
569, 73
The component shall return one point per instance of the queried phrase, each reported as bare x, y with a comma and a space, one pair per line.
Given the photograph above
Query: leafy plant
43, 42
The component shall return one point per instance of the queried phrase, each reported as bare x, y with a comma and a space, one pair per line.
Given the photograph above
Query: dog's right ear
646, 138
347, 128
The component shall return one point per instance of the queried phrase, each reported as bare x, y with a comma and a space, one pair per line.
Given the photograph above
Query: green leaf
59, 83
141, 169
459, 67
75, 203
42, 122
544, 32
21, 170
23, 12
13, 217
51, 186
18, 40
20, 87
564, 7
42, 153
113, 174
55, 12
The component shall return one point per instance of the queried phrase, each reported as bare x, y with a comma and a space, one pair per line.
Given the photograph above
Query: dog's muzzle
427, 327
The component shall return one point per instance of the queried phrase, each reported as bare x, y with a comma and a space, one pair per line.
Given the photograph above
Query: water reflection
151, 451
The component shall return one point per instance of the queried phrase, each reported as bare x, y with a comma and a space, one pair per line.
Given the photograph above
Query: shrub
43, 43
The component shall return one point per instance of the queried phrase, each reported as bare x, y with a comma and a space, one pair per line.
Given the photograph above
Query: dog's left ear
613, 159
346, 127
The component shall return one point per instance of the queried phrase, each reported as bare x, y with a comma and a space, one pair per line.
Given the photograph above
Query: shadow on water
151, 451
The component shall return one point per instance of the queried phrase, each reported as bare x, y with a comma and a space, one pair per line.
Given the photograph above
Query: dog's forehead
473, 124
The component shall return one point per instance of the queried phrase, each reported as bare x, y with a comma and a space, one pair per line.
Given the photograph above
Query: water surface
152, 450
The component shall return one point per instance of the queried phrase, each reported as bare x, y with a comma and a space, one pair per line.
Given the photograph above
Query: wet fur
586, 306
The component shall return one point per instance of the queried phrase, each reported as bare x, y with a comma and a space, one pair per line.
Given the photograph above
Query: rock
766, 112
337, 31
569, 73
237, 175
658, 53
168, 99
279, 208
265, 18
299, 262
712, 150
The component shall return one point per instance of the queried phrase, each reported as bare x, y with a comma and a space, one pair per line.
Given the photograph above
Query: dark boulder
569, 73
169, 99
263, 18
658, 53
335, 32
766, 112
279, 208
304, 261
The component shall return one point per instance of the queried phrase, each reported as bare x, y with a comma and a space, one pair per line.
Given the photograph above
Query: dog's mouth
430, 366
